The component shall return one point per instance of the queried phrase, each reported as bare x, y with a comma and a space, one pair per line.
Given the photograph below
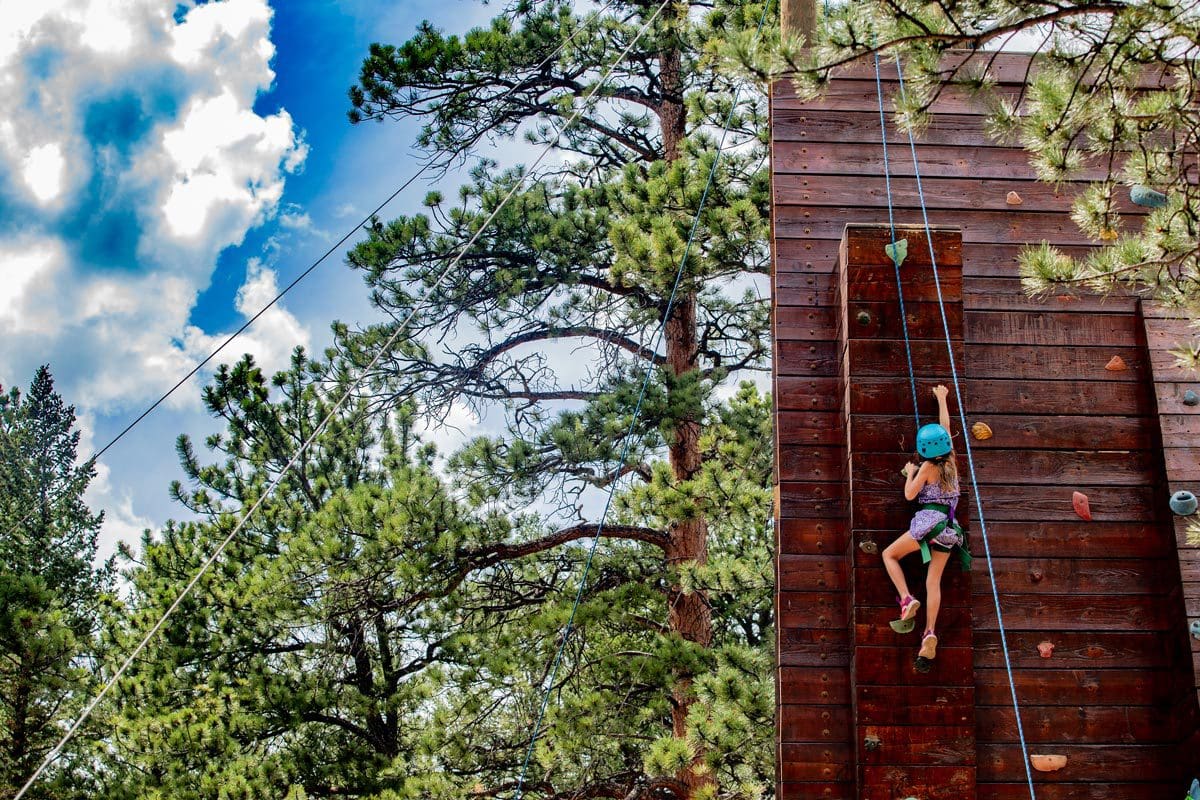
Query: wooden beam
798, 18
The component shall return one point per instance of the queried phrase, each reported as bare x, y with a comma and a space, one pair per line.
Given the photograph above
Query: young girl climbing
934, 484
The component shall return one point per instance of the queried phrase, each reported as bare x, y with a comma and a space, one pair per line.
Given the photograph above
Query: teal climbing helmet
933, 441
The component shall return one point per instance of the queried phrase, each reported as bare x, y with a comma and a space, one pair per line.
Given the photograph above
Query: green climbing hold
1183, 503
1145, 196
897, 251
903, 625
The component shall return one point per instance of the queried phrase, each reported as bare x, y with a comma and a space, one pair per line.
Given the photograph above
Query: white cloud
131, 156
43, 172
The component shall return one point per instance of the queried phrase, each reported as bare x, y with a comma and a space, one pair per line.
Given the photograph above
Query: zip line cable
311, 268
967, 442
270, 489
553, 673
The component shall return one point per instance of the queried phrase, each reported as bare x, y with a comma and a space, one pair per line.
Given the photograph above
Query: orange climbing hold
1013, 199
1080, 501
981, 431
1116, 364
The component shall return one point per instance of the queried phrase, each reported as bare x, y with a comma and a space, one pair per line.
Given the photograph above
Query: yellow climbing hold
1108, 235
981, 431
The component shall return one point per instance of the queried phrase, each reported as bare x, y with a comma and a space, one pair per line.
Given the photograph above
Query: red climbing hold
1080, 501
1116, 364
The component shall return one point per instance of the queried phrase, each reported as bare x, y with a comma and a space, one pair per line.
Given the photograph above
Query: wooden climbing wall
1117, 695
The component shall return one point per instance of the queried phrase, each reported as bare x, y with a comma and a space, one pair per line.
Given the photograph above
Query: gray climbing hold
864, 318
1183, 503
1194, 792
897, 251
1145, 196
1190, 398
868, 546
1195, 629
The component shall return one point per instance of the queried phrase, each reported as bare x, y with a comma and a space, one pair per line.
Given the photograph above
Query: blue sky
163, 167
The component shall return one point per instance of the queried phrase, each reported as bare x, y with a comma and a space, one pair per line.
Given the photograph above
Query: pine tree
1112, 90
50, 587
583, 260
369, 635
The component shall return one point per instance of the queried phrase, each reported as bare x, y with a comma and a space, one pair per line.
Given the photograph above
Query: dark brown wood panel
1106, 594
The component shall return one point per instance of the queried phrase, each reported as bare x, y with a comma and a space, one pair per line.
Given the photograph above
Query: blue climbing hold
897, 251
1195, 630
1194, 792
1145, 196
1183, 503
1190, 398
933, 441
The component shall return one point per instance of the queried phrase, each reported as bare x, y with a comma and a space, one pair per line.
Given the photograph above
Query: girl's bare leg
904, 545
933, 587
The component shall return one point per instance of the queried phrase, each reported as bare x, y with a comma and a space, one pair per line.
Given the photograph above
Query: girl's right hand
910, 469
940, 392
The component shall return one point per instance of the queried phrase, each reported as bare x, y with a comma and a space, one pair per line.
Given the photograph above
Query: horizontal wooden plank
1006, 396
815, 153
1074, 687
812, 648
1001, 67
816, 222
882, 510
826, 761
1014, 432
894, 666
871, 358
1034, 612
998, 762
1070, 363
928, 783
882, 320
811, 573
811, 537
814, 610
812, 500
878, 283
810, 428
820, 723
1050, 328
816, 790
1184, 426
1048, 468
799, 393
915, 705
920, 745
1089, 788
1075, 649
806, 359
805, 323
805, 462
1086, 725
821, 685
1074, 538
849, 94
1080, 576
947, 193
1182, 463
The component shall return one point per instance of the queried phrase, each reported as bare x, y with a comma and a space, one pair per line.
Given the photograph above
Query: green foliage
50, 591
1112, 93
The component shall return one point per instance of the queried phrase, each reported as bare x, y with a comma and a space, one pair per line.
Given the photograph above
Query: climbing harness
385, 347
964, 554
966, 439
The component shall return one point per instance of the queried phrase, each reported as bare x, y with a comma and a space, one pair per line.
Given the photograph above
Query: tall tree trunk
690, 614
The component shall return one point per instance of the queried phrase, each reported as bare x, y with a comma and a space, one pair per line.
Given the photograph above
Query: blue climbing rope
637, 410
967, 442
887, 175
